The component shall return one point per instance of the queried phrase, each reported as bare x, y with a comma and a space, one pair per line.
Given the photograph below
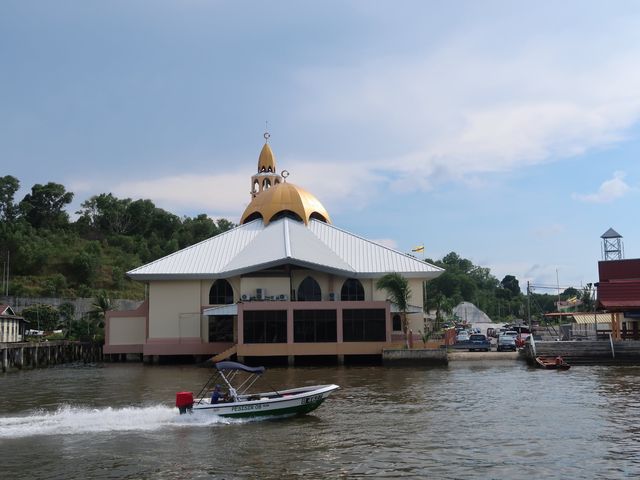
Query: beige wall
174, 309
127, 330
273, 286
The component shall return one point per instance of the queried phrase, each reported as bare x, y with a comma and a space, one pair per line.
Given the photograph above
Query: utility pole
529, 305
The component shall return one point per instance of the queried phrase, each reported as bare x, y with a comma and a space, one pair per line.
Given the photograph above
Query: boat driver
216, 396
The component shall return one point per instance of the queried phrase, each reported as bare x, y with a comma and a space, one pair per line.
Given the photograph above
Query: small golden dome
285, 199
266, 162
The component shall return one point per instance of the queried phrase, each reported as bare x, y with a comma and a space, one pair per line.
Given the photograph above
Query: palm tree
101, 306
398, 290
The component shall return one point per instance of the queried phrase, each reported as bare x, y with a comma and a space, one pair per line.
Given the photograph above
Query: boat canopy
239, 366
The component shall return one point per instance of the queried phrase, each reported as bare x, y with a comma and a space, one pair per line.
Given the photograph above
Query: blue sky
505, 131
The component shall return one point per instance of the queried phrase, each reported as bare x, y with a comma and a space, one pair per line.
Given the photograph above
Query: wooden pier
591, 352
41, 354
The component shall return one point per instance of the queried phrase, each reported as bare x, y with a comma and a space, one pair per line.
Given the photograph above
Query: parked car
478, 341
463, 336
507, 342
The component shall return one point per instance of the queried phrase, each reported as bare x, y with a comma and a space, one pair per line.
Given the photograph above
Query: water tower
612, 247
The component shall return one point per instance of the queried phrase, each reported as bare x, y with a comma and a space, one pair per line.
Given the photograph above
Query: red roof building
619, 293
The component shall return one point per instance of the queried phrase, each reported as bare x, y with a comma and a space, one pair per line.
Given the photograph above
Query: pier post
291, 360
5, 360
340, 359
20, 362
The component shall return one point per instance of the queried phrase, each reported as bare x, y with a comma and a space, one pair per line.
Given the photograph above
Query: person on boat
216, 395
559, 360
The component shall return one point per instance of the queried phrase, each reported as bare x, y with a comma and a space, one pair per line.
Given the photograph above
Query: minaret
266, 176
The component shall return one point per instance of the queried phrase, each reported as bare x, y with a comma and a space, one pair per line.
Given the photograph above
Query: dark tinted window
314, 326
265, 326
352, 290
221, 293
309, 291
364, 325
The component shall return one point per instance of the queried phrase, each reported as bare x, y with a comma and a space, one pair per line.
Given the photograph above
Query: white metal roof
252, 247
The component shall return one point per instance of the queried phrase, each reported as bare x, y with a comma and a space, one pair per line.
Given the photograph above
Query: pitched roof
611, 233
254, 246
6, 310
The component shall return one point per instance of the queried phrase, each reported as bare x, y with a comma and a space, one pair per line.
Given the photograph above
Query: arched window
256, 186
352, 290
309, 291
397, 323
266, 183
221, 293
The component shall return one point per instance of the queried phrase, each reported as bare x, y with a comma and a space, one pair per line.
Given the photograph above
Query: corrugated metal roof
253, 246
588, 318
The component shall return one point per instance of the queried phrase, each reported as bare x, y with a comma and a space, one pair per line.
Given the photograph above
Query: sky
506, 131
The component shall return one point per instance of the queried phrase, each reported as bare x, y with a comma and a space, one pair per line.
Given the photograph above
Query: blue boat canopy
238, 366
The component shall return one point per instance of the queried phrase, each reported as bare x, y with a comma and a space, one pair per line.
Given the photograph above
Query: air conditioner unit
244, 298
282, 297
260, 293
332, 297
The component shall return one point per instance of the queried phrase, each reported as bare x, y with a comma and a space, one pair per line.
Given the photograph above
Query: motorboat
238, 402
553, 363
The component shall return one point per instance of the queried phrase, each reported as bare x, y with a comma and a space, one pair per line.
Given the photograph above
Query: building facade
284, 283
12, 326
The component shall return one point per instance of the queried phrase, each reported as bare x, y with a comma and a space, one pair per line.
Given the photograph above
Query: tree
8, 187
41, 317
511, 284
43, 207
101, 306
397, 288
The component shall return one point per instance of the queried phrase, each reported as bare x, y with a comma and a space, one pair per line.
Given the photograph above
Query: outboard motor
184, 402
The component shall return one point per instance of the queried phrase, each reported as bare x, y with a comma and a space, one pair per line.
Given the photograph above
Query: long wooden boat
239, 403
552, 363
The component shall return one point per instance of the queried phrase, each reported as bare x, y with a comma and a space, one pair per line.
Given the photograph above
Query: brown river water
468, 420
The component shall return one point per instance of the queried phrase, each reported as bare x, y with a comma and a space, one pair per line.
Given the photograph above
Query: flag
419, 249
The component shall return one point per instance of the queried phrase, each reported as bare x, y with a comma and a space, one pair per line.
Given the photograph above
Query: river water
468, 420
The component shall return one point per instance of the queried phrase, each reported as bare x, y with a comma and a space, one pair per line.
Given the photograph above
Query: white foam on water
78, 420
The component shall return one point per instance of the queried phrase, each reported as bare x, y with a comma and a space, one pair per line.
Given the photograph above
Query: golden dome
266, 162
285, 199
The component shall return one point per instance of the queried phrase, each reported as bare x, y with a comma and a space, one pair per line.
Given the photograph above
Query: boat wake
81, 420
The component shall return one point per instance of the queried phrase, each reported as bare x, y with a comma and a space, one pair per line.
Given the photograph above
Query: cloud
609, 190
460, 111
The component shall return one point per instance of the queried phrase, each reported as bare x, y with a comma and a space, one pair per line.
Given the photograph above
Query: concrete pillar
35, 357
5, 360
20, 361
340, 359
291, 360
240, 358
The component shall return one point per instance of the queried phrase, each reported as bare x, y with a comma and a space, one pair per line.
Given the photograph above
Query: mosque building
284, 283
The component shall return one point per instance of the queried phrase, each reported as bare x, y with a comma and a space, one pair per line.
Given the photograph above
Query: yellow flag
419, 249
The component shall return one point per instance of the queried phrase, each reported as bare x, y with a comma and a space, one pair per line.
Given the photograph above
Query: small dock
586, 352
16, 356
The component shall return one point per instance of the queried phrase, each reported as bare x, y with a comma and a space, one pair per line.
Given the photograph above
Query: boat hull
550, 364
271, 404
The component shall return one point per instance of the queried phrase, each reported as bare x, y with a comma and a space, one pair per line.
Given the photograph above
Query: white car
463, 336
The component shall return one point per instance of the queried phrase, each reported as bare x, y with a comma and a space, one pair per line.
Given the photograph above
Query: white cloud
460, 111
609, 190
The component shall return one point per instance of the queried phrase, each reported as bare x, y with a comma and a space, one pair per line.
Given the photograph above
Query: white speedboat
239, 403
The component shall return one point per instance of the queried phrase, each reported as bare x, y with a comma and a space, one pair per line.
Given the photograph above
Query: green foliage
51, 256
397, 288
44, 206
42, 317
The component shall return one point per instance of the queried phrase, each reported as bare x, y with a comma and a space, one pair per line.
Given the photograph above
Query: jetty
585, 352
21, 355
